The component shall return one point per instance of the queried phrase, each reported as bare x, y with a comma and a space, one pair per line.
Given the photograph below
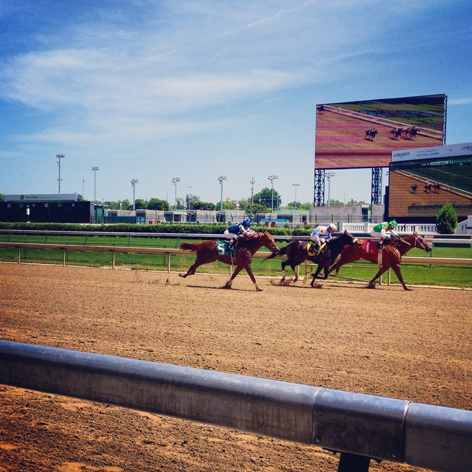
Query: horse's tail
189, 246
282, 252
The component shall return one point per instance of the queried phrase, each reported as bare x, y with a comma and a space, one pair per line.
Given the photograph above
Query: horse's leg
284, 263
294, 268
192, 269
235, 273
396, 269
318, 270
336, 268
379, 273
249, 271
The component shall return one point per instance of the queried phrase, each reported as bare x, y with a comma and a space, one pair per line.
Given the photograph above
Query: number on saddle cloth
222, 248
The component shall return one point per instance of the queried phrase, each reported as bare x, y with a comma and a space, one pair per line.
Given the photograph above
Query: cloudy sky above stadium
153, 90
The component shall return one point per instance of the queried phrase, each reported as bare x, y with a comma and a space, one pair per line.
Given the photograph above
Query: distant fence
361, 427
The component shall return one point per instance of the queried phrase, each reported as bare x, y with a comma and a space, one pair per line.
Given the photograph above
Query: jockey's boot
380, 244
231, 245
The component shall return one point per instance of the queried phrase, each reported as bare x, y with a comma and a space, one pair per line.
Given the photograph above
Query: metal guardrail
357, 425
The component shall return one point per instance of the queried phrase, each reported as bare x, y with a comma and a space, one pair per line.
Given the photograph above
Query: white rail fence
361, 427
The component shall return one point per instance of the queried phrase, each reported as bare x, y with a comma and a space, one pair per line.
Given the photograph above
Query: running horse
297, 253
370, 134
207, 252
391, 255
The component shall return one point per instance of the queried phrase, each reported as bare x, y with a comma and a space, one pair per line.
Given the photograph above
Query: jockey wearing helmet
322, 234
381, 230
234, 232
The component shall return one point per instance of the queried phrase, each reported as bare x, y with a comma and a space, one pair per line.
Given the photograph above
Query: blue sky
153, 90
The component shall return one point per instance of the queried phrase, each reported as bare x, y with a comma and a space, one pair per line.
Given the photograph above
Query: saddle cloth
222, 248
370, 247
311, 248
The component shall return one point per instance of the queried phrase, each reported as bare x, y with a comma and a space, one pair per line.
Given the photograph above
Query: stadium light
221, 178
133, 183
272, 178
174, 181
295, 185
94, 169
59, 157
328, 176
188, 197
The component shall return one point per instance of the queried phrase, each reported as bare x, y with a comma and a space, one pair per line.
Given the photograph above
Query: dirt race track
408, 345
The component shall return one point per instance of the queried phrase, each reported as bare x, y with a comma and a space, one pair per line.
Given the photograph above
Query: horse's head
268, 241
421, 243
350, 239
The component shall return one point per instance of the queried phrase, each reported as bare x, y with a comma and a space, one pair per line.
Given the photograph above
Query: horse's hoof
371, 286
408, 289
182, 275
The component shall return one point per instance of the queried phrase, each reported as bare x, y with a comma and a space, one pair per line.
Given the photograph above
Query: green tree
156, 204
199, 205
2, 197
140, 204
446, 221
264, 197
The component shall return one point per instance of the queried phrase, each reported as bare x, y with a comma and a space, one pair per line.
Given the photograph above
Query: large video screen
365, 133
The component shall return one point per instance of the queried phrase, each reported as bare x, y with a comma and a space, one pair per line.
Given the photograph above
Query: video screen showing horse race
364, 133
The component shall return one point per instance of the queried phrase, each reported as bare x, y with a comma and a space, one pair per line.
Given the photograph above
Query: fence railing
357, 425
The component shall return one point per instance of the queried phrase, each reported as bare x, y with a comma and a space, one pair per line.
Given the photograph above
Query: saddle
311, 248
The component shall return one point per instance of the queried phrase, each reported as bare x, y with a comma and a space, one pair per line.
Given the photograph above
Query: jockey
322, 234
381, 231
240, 230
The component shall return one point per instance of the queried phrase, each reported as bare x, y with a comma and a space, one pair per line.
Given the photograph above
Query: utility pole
133, 183
95, 183
272, 178
174, 181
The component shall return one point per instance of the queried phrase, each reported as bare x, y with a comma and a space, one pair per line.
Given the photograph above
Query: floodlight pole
272, 178
95, 183
188, 197
174, 181
252, 182
83, 185
295, 185
328, 177
133, 183
59, 157
221, 178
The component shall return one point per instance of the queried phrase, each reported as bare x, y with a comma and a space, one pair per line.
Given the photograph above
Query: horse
207, 252
370, 134
396, 133
391, 256
297, 253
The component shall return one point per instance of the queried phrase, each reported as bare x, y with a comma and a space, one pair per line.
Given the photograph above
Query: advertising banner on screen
365, 133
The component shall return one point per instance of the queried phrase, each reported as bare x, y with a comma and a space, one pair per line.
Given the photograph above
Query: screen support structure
320, 176
376, 189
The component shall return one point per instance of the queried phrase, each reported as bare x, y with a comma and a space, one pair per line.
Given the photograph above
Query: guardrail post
113, 260
353, 463
64, 257
19, 256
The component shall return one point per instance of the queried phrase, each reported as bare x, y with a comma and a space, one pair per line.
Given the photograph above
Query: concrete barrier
357, 425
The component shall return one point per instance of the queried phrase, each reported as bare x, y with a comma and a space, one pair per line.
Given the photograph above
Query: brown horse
207, 252
391, 256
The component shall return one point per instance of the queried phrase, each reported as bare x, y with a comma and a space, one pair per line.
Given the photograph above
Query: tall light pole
295, 185
221, 178
94, 169
174, 181
188, 197
83, 185
272, 178
59, 157
133, 183
328, 176
252, 182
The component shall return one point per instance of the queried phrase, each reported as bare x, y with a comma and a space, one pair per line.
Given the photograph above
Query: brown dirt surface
407, 345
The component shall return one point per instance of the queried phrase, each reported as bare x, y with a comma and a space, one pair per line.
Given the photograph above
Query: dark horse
391, 255
207, 252
396, 133
370, 134
296, 253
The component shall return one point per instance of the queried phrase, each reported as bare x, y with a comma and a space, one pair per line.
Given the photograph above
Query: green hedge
176, 228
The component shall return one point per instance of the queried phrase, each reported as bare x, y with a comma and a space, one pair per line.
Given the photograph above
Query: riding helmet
246, 223
332, 226
394, 223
